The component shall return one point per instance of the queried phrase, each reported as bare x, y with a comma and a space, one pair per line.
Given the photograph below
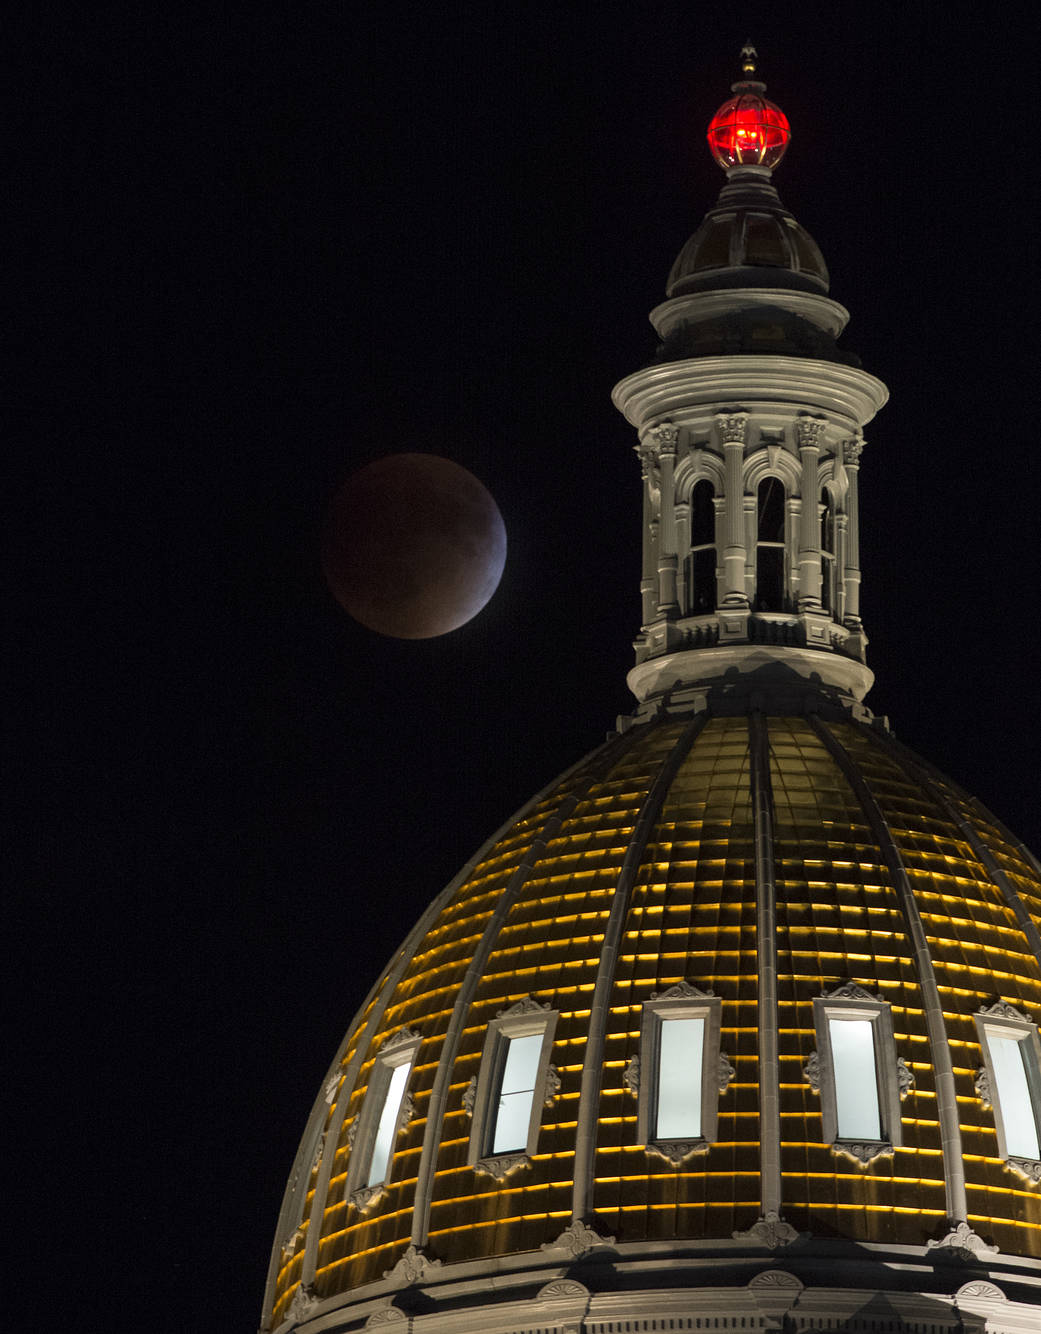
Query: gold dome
648, 869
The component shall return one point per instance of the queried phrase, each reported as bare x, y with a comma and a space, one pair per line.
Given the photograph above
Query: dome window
827, 513
857, 1073
514, 1082
769, 549
1010, 1082
386, 1111
680, 1074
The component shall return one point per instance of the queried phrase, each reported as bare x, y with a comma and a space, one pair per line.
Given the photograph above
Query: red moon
414, 546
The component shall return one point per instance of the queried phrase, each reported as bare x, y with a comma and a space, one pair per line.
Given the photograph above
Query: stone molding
526, 1005
733, 427
864, 1151
414, 1265
499, 1166
1002, 1010
578, 1238
963, 1243
770, 1231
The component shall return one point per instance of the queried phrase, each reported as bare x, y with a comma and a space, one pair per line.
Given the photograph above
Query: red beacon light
749, 130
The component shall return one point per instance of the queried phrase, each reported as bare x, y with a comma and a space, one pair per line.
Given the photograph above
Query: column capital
732, 427
852, 450
809, 431
665, 436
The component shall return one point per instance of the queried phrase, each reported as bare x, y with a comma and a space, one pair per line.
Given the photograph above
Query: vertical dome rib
592, 1068
766, 951
602, 761
939, 1045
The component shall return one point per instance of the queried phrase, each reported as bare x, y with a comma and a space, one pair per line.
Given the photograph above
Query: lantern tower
734, 1026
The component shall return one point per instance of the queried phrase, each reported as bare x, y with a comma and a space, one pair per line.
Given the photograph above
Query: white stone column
809, 431
851, 452
647, 452
732, 428
666, 436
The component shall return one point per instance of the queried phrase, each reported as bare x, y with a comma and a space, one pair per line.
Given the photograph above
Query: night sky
274, 244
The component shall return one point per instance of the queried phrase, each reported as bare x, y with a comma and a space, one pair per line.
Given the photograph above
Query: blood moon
414, 546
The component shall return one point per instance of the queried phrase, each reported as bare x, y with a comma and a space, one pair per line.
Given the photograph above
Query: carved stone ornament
577, 1238
631, 1076
407, 1112
499, 1166
864, 1151
850, 991
962, 1238
366, 1196
524, 1006
809, 430
330, 1086
905, 1080
387, 1315
770, 1231
1027, 1167
852, 450
980, 1290
352, 1133
403, 1037
732, 427
725, 1072
813, 1070
665, 436
305, 1299
771, 1279
677, 1151
470, 1096
291, 1243
650, 468
982, 1086
319, 1150
562, 1288
413, 1265
552, 1085
681, 991
1002, 1010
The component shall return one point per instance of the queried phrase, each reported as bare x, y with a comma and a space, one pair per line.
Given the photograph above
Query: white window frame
1004, 1020
524, 1019
680, 1002
893, 1079
398, 1050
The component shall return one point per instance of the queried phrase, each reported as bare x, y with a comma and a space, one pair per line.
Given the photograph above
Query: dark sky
273, 244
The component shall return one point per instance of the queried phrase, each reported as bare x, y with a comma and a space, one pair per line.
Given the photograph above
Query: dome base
789, 676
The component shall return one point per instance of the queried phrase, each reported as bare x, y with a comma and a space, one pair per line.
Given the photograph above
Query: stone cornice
689, 393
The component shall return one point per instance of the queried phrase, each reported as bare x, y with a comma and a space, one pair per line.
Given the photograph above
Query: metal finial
749, 56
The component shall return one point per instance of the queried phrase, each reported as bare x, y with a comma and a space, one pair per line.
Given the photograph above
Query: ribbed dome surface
644, 868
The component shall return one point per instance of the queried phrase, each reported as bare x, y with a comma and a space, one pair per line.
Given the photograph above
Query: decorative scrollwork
470, 1096
1027, 1167
813, 1071
291, 1243
962, 1238
905, 1080
864, 1151
665, 435
366, 1196
982, 1086
403, 1037
770, 1231
352, 1133
526, 1005
406, 1112
850, 991
677, 1151
552, 1085
330, 1086
413, 1265
1002, 1010
631, 1076
577, 1238
305, 1299
852, 450
725, 1072
681, 991
499, 1166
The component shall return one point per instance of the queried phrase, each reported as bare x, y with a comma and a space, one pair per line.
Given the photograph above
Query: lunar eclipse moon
414, 546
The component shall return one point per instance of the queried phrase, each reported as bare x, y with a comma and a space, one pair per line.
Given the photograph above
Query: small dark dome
742, 247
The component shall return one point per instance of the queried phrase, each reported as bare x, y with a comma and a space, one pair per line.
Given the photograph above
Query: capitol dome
735, 1024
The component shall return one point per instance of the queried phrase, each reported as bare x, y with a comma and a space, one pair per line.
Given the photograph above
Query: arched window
827, 513
701, 562
769, 547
